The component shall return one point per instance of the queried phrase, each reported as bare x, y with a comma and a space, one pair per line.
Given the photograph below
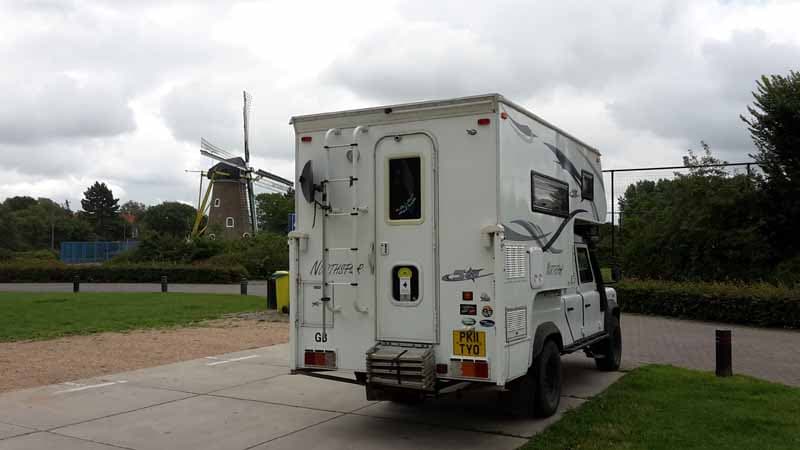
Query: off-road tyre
546, 377
609, 352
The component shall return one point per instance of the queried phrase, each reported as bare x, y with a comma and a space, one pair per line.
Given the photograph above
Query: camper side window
587, 185
405, 188
549, 195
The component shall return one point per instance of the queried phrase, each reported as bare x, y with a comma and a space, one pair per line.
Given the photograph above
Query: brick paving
763, 353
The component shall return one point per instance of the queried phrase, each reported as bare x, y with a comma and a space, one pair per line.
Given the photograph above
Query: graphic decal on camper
561, 157
521, 128
537, 234
465, 274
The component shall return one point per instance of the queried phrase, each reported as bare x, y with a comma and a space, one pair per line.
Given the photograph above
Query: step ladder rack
329, 212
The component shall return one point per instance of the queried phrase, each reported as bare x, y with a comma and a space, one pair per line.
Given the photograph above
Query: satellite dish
307, 182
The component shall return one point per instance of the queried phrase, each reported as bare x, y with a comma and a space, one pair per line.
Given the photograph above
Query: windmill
231, 185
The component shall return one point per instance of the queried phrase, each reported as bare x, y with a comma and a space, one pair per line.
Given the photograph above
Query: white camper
447, 243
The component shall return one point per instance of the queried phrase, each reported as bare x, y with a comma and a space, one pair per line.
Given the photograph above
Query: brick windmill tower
231, 207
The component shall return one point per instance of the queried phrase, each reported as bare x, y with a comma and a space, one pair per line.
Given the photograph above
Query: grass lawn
660, 407
48, 315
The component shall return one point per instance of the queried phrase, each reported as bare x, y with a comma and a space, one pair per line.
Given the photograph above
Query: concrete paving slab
40, 441
274, 355
201, 422
7, 430
200, 376
305, 391
62, 404
582, 379
474, 411
353, 432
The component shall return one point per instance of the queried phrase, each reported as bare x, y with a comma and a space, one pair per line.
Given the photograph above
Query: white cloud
122, 91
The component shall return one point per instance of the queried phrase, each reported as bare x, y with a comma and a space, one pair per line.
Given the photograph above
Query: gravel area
34, 363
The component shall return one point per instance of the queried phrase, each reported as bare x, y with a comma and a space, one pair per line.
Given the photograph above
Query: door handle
587, 305
570, 308
372, 258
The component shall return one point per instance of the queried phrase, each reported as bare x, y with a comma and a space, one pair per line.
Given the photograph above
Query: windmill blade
275, 178
246, 114
271, 187
251, 199
213, 149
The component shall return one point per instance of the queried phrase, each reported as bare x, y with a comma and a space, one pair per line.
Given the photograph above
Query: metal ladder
330, 212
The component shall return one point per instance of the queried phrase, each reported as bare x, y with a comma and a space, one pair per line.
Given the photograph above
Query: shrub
55, 271
747, 304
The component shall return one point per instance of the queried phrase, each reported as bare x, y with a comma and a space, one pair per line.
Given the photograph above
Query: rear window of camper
549, 195
405, 188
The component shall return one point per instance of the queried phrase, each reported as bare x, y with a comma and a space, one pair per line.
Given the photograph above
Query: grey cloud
213, 110
515, 47
702, 98
58, 106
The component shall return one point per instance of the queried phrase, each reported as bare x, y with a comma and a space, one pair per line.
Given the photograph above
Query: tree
134, 209
273, 212
698, 165
774, 126
100, 208
697, 226
170, 218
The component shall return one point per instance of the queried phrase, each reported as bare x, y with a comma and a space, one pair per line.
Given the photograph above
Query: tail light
320, 358
470, 368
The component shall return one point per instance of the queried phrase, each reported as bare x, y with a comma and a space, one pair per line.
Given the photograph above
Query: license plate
469, 343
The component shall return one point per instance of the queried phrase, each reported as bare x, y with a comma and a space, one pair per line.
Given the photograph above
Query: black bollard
243, 286
76, 284
164, 283
724, 353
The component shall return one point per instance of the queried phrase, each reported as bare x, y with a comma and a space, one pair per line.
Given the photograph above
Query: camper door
405, 236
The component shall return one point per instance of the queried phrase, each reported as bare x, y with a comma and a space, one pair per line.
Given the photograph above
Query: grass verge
661, 407
48, 315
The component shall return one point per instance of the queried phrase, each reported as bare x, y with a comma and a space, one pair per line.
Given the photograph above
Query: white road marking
225, 361
90, 386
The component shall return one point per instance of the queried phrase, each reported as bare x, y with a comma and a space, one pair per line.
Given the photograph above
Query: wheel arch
544, 332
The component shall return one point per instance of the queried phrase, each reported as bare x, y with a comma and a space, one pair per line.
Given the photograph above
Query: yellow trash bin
281, 278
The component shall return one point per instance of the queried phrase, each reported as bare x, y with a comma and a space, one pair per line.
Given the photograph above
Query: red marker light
504, 115
305, 139
484, 121
466, 295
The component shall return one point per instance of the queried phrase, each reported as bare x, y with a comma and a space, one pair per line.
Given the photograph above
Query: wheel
609, 352
546, 379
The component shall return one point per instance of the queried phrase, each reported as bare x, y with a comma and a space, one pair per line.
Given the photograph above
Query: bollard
243, 286
76, 284
163, 283
724, 359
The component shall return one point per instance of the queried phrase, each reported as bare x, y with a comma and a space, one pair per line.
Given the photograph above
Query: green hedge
118, 273
747, 304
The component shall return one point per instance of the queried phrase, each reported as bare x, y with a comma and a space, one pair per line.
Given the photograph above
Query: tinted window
405, 189
584, 266
549, 195
587, 186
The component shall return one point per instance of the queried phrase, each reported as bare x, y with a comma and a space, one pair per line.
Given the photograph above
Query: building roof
226, 171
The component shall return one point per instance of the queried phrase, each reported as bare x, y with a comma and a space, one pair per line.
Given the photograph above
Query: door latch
384, 248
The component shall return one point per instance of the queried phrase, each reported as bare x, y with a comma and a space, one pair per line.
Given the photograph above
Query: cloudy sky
121, 91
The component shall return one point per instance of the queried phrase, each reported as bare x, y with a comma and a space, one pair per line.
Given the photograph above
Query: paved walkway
763, 353
247, 400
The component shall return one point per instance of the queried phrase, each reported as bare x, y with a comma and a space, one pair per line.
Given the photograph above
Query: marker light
466, 295
305, 139
484, 121
504, 115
